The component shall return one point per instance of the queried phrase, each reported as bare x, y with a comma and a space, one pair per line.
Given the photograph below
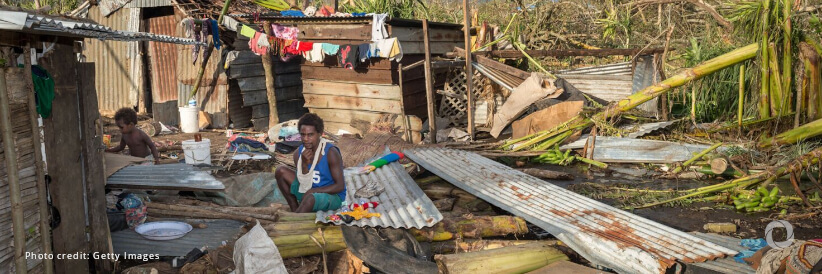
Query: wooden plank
437, 48
239, 115
256, 97
166, 112
256, 70
260, 124
93, 164
334, 128
379, 91
260, 111
258, 83
372, 63
333, 31
345, 116
285, 107
353, 103
342, 74
409, 34
62, 140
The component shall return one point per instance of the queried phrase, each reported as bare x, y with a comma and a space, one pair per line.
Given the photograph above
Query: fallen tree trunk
512, 259
197, 215
793, 136
547, 174
329, 239
202, 210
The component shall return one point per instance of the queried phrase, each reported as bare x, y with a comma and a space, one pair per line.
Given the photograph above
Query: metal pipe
45, 228
492, 77
13, 180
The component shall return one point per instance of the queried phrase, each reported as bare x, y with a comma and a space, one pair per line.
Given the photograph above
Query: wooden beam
352, 103
402, 102
469, 69
12, 177
429, 86
273, 118
45, 227
378, 91
574, 52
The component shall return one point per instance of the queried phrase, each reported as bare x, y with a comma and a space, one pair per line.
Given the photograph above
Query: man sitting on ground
138, 142
318, 184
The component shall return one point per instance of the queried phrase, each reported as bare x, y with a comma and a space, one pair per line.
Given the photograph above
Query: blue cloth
215, 33
355, 14
292, 13
246, 145
753, 246
322, 173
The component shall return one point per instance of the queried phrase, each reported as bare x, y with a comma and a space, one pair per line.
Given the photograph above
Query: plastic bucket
189, 117
197, 152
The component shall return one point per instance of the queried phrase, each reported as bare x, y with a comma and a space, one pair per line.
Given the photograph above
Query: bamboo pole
207, 53
787, 56
764, 89
18, 228
511, 259
42, 199
795, 135
777, 93
429, 84
679, 79
696, 157
740, 108
268, 67
469, 68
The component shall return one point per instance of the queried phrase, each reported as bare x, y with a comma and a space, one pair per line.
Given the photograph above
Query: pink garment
283, 32
253, 44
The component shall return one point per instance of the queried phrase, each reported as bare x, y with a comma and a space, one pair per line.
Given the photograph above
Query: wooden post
273, 115
429, 85
17, 227
45, 228
405, 124
469, 69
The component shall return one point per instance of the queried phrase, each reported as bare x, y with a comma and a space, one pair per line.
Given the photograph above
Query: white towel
315, 54
389, 48
307, 180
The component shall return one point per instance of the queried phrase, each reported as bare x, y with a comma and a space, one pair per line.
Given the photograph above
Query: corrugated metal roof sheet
602, 234
171, 176
51, 25
609, 69
129, 242
724, 265
148, 3
648, 128
118, 66
627, 150
402, 204
163, 58
109, 6
214, 99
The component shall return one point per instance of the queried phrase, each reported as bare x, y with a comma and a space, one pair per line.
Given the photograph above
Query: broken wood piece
546, 119
719, 165
476, 227
511, 259
444, 204
524, 95
547, 174
473, 245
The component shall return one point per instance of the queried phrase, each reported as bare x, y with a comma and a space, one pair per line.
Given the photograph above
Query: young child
138, 142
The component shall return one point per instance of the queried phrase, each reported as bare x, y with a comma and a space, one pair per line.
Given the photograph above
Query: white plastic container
197, 152
189, 119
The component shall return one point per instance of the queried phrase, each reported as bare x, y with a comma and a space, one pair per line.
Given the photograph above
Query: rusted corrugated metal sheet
117, 66
627, 150
614, 82
604, 235
217, 97
726, 265
163, 59
107, 7
401, 205
129, 242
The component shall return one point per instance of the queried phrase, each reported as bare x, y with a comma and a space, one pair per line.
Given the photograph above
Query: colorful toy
391, 157
356, 212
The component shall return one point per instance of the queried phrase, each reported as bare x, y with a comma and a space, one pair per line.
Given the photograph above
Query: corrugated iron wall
116, 86
162, 56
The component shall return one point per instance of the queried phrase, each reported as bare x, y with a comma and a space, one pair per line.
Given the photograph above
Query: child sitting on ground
138, 142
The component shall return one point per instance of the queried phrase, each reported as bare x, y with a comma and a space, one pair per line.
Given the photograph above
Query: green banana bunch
762, 200
555, 156
278, 5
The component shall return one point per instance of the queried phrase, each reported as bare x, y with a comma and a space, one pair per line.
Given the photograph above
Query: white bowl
163, 230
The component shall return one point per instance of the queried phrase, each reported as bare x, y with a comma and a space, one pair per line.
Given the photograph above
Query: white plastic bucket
189, 117
197, 152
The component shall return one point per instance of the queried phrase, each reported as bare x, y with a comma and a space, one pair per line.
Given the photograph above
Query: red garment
304, 46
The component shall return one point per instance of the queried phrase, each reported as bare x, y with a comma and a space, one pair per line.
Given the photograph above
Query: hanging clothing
247, 31
348, 56
362, 52
390, 48
195, 51
259, 43
315, 54
378, 31
230, 23
283, 32
43, 90
373, 50
229, 57
304, 46
330, 49
215, 34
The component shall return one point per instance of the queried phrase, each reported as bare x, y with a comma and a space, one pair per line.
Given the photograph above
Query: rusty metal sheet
170, 176
211, 99
108, 7
628, 150
148, 3
604, 235
724, 265
163, 59
648, 128
117, 64
402, 204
